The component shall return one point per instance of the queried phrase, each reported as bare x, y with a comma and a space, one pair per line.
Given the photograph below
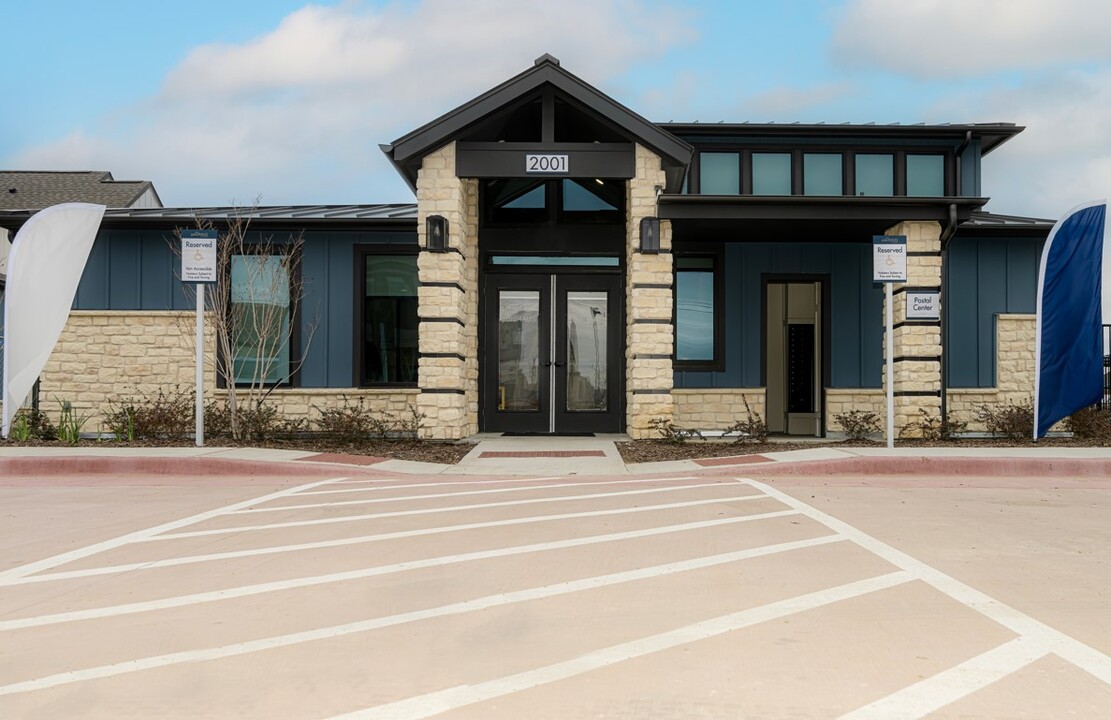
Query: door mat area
541, 454
735, 460
544, 434
344, 459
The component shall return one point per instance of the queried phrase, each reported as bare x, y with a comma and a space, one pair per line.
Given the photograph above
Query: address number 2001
555, 163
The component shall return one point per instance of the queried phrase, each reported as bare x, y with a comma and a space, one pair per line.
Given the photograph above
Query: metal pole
200, 365
890, 372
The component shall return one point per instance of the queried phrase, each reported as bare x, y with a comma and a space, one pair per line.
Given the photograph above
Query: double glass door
551, 353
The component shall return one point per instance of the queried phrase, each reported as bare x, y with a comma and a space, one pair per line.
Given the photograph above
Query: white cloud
297, 114
958, 38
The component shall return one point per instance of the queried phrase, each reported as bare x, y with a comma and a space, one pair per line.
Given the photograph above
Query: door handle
556, 363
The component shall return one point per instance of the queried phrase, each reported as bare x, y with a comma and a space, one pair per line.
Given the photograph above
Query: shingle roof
35, 189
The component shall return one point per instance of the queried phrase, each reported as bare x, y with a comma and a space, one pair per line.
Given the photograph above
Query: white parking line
688, 634
24, 570
1069, 648
429, 511
429, 704
303, 582
189, 560
453, 483
489, 491
933, 693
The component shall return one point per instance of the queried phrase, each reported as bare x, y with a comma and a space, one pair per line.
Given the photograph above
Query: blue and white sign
198, 256
889, 258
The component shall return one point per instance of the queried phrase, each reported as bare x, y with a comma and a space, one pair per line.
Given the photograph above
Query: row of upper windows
877, 174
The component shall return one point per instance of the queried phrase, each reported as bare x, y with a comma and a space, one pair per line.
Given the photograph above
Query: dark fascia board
546, 71
787, 207
991, 135
13, 221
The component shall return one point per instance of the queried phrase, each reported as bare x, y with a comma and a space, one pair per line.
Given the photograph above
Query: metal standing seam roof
35, 189
393, 212
982, 220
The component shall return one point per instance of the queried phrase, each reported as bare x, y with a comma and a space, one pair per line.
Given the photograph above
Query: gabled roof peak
546, 58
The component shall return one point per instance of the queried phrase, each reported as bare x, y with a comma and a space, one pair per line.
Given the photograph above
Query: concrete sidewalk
598, 456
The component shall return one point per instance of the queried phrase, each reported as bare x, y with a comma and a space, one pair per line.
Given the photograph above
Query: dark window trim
716, 252
361, 252
295, 359
848, 164
552, 214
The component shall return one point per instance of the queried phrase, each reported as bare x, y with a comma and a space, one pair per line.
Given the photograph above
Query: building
570, 266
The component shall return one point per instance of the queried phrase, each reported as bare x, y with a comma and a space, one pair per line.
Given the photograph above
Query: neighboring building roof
991, 135
980, 222
407, 151
35, 189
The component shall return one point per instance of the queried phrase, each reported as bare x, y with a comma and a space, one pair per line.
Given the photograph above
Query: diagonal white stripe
655, 643
423, 706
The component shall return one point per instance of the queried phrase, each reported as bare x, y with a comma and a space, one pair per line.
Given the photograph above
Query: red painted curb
198, 466
1026, 467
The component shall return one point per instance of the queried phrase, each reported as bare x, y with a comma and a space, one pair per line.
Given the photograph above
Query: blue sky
222, 102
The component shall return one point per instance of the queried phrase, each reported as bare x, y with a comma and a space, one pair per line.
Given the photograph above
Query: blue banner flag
1069, 346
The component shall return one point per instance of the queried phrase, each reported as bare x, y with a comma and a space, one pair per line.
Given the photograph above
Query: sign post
889, 266
198, 265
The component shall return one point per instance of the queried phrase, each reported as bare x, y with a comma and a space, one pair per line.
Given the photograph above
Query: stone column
448, 301
917, 343
650, 328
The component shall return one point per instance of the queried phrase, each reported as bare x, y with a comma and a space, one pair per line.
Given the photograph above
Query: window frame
714, 252
947, 168
361, 252
295, 358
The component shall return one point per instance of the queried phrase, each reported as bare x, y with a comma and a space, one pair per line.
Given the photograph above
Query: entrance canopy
543, 112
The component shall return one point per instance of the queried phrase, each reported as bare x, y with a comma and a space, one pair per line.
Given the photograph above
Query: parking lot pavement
542, 597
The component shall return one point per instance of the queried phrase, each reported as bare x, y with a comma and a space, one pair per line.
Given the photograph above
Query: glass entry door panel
552, 360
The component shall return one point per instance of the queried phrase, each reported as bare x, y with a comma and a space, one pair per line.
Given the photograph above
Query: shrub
350, 421
672, 433
752, 429
1091, 423
1014, 422
31, 424
70, 423
169, 414
931, 427
858, 424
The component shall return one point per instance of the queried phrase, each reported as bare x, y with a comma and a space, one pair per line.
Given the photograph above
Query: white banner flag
44, 267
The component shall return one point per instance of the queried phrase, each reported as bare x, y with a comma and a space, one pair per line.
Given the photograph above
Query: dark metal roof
308, 215
991, 135
34, 189
407, 151
986, 223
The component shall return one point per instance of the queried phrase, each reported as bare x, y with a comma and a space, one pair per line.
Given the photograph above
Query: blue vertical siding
987, 276
137, 270
856, 311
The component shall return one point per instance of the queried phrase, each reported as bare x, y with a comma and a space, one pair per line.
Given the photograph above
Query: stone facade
448, 300
1014, 372
917, 345
716, 408
842, 400
649, 330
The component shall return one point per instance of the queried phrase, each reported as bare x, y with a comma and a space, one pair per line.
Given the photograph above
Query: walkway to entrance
556, 455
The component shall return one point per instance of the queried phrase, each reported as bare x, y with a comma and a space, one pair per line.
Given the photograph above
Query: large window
875, 174
260, 319
695, 311
719, 173
771, 173
389, 319
925, 175
821, 174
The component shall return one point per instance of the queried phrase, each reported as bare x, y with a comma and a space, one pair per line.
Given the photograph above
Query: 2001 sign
556, 163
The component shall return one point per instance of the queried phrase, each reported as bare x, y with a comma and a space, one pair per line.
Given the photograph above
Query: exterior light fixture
436, 233
650, 235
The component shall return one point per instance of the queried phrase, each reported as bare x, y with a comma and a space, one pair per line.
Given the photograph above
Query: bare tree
253, 308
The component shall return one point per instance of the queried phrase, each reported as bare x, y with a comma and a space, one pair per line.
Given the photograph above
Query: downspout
946, 235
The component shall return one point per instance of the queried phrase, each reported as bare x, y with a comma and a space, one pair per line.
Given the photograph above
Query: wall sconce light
435, 227
650, 235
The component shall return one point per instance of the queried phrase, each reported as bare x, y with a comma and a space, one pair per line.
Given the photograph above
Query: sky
284, 102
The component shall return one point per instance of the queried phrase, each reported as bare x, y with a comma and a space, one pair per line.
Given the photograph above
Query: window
389, 319
926, 175
720, 173
821, 174
771, 173
875, 175
695, 310
260, 319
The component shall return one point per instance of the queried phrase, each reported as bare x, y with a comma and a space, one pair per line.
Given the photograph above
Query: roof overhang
803, 218
407, 152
